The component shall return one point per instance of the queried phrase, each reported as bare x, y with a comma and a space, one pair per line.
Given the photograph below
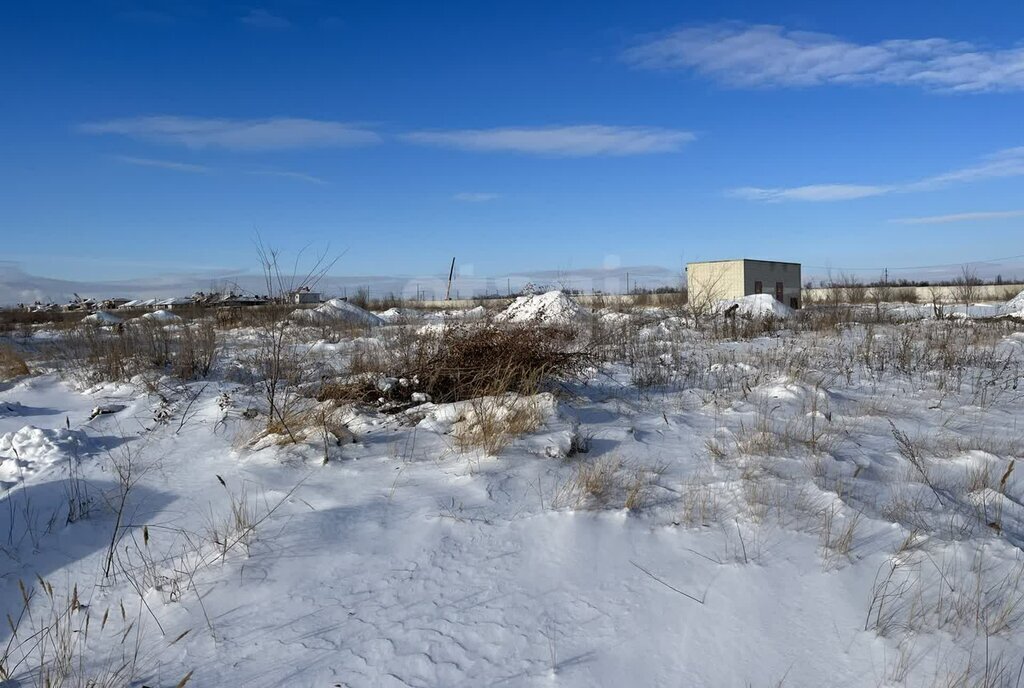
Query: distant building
232, 300
138, 303
304, 296
718, 280
171, 304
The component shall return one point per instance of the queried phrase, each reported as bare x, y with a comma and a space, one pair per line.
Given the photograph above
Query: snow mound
337, 311
758, 306
162, 316
1015, 306
616, 319
29, 450
101, 318
392, 315
552, 308
432, 328
476, 313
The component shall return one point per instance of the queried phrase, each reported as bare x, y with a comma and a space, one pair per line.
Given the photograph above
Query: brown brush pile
465, 362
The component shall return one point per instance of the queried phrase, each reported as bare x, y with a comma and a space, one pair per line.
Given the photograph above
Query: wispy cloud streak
298, 176
236, 134
959, 217
163, 164
743, 55
1005, 163
560, 141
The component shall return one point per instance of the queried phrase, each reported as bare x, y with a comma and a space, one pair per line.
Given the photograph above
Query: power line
917, 267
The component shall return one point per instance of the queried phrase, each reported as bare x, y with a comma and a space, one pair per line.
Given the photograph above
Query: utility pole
451, 273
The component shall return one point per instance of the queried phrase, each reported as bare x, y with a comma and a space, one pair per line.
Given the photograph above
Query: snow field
834, 506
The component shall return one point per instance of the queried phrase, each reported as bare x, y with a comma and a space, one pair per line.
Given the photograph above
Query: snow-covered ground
817, 506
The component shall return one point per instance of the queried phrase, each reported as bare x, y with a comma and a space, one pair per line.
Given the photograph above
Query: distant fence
944, 294
659, 299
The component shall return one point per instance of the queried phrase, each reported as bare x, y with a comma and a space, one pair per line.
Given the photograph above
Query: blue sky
144, 138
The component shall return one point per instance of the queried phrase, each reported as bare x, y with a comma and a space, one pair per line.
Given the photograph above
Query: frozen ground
818, 505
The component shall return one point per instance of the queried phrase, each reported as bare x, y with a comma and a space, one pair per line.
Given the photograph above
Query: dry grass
11, 363
93, 355
54, 637
962, 593
608, 481
701, 503
837, 536
491, 423
320, 424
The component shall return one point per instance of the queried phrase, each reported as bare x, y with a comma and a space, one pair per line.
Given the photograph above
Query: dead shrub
196, 351
466, 362
470, 362
94, 355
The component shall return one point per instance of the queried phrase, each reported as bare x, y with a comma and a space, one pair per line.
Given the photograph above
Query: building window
758, 287
778, 291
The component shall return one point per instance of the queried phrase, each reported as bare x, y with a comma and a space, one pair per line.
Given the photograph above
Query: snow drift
1014, 308
393, 315
101, 318
162, 317
336, 311
29, 450
757, 306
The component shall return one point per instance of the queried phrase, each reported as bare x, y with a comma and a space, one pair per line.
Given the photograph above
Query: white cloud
236, 134
562, 141
959, 217
1005, 163
261, 19
299, 176
163, 164
743, 55
811, 192
475, 197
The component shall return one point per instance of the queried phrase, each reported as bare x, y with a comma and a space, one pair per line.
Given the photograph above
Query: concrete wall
985, 292
770, 272
589, 300
714, 281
